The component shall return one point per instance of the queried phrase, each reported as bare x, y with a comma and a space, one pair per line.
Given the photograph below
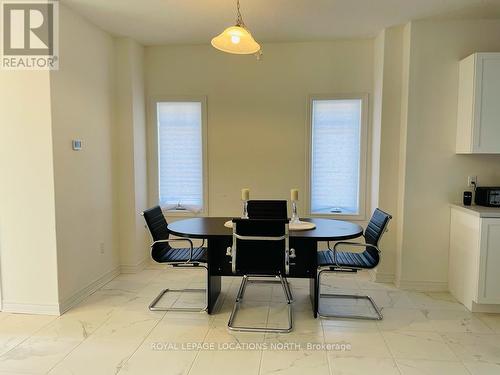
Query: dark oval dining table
305, 243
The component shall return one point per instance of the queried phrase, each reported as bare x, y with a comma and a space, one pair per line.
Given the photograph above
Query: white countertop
480, 211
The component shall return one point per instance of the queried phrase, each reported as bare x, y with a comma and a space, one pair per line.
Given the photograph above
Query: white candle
294, 195
245, 194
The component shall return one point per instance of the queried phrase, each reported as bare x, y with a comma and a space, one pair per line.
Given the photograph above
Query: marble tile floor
113, 332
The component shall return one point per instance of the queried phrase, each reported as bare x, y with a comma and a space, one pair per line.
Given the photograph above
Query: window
181, 161
337, 156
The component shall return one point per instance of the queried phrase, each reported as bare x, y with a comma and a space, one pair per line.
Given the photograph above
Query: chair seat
182, 255
346, 259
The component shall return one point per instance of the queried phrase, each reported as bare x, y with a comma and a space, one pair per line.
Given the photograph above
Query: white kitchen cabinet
489, 262
478, 116
474, 257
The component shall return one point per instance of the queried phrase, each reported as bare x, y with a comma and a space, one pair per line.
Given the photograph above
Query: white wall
131, 163
257, 110
377, 104
27, 218
403, 130
82, 108
434, 175
386, 139
140, 153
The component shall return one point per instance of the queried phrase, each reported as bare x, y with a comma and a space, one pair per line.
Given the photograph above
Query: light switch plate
76, 144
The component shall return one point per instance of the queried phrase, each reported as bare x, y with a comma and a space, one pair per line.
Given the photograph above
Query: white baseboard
485, 308
152, 265
423, 286
382, 277
64, 305
83, 293
28, 308
134, 268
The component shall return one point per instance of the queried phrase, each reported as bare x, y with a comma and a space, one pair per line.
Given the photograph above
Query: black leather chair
163, 253
335, 260
267, 209
260, 249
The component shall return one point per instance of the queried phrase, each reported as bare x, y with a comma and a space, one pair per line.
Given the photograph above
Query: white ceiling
197, 21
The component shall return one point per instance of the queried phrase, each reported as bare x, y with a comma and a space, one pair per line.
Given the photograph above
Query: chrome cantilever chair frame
246, 280
186, 264
339, 268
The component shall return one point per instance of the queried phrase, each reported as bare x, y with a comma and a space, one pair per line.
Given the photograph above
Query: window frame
153, 152
363, 162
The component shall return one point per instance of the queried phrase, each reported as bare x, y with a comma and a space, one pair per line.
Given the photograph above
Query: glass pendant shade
236, 39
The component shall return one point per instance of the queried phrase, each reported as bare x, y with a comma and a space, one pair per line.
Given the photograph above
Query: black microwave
488, 196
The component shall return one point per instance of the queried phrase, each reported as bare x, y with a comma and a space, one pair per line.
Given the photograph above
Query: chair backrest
267, 209
157, 225
376, 229
260, 246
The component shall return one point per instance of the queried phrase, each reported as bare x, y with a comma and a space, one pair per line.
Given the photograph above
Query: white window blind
335, 156
180, 155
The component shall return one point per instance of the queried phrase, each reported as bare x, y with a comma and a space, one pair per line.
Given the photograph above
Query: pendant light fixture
237, 39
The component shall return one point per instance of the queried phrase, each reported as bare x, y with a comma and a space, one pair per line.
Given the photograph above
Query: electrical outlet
471, 181
101, 247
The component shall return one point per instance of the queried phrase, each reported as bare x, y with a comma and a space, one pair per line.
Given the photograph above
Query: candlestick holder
295, 217
245, 210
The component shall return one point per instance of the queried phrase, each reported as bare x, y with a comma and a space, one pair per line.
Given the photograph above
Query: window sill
183, 213
337, 216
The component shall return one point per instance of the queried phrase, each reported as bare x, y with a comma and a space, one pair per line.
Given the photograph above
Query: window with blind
337, 161
180, 155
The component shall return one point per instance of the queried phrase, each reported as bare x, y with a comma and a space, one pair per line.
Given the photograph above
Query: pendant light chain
239, 22
239, 18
